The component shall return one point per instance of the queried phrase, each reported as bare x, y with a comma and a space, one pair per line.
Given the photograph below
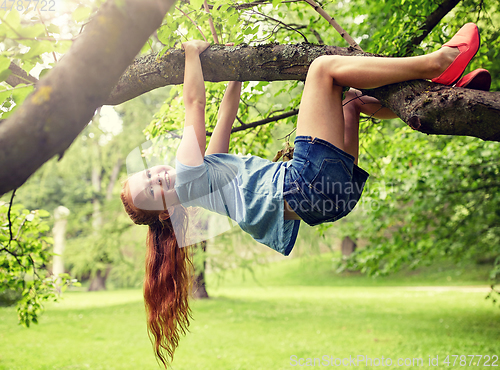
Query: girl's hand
197, 45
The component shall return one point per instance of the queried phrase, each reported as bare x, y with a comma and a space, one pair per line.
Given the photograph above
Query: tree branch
443, 110
223, 63
430, 22
211, 23
19, 76
428, 107
8, 212
246, 126
334, 24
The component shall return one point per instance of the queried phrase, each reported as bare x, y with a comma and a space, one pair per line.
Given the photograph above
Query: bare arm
219, 143
191, 150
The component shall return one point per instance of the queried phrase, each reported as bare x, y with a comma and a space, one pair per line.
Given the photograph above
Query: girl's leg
321, 114
353, 105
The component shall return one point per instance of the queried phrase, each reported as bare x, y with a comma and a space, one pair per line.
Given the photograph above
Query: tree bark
223, 63
65, 100
442, 110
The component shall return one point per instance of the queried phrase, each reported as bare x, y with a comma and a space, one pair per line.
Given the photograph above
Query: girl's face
153, 189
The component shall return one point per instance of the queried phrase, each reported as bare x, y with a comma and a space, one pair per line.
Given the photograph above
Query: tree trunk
348, 246
59, 230
98, 282
199, 287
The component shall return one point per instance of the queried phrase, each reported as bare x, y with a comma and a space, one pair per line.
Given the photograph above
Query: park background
427, 230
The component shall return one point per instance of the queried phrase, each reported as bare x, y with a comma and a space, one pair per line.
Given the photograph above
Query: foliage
24, 256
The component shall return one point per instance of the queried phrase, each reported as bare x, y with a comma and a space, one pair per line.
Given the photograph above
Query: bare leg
321, 114
351, 110
354, 104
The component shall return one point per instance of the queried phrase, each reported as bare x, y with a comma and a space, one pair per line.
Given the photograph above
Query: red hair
169, 276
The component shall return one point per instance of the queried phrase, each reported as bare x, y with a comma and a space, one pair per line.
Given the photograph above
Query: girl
322, 183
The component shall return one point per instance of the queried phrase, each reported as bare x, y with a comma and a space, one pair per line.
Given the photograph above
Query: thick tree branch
437, 108
442, 110
223, 63
66, 98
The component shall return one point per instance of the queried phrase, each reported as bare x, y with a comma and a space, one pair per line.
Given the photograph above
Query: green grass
319, 270
296, 309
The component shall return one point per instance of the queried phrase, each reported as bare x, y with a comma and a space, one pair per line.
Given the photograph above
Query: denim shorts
322, 183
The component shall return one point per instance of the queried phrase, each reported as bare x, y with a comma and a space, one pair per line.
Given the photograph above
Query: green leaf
37, 48
197, 4
43, 72
232, 20
5, 74
62, 46
4, 95
81, 13
4, 63
13, 20
33, 31
164, 33
43, 213
53, 28
18, 95
163, 51
248, 31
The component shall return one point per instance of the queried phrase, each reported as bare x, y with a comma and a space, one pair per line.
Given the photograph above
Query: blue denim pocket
326, 187
320, 185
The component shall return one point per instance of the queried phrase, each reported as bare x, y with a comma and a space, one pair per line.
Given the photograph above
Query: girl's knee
331, 66
325, 65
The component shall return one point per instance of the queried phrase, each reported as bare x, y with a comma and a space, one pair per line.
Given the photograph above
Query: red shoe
467, 40
479, 79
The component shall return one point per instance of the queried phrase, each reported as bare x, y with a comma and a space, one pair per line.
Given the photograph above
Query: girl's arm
191, 150
219, 143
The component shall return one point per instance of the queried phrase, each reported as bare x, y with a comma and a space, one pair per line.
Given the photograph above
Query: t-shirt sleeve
191, 182
186, 174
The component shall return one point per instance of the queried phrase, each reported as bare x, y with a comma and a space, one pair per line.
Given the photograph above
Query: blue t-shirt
247, 189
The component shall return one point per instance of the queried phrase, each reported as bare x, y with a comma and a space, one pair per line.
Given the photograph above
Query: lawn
308, 313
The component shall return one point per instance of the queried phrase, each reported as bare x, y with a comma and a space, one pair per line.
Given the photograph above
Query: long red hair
169, 275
